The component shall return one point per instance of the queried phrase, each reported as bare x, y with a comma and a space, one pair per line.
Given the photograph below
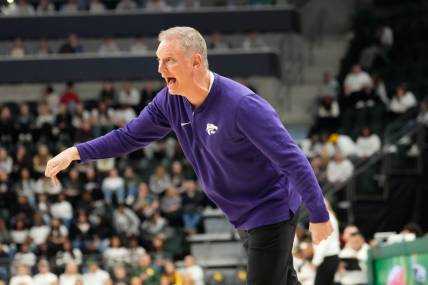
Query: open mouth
171, 81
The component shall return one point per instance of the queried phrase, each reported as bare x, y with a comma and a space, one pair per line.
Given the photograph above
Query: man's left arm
260, 123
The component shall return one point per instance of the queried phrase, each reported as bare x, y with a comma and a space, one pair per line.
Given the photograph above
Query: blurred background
349, 79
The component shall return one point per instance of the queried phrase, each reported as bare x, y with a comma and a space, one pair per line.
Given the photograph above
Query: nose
161, 67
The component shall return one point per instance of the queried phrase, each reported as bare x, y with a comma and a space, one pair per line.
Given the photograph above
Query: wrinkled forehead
170, 47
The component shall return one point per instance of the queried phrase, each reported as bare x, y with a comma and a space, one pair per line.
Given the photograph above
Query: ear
197, 60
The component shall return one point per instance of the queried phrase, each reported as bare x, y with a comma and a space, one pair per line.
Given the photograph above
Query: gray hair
189, 38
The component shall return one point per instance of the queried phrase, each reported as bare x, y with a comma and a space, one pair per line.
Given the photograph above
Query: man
244, 158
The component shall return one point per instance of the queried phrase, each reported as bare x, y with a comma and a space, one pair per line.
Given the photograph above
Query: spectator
24, 257
25, 124
7, 127
385, 36
188, 4
253, 40
45, 7
22, 277
177, 175
44, 277
62, 210
5, 237
50, 97
68, 254
6, 162
170, 206
95, 275
153, 226
70, 7
217, 42
82, 230
193, 202
135, 250
20, 233
367, 144
18, 50
139, 46
339, 169
22, 160
129, 95
58, 235
96, 7
146, 203
329, 86
39, 232
120, 275
423, 113
157, 6
355, 83
71, 274
192, 272
143, 272
126, 5
115, 253
125, 221
147, 93
113, 184
108, 47
132, 180
402, 101
44, 123
63, 129
159, 180
40, 159
108, 94
43, 48
72, 44
352, 268
22, 8
102, 118
170, 275
124, 115
45, 186
70, 97
72, 184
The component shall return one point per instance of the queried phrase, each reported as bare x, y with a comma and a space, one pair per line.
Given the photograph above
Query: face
176, 66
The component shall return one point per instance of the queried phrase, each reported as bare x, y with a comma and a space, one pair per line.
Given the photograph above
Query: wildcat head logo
211, 129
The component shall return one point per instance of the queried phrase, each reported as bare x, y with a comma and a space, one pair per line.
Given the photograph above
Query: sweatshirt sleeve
260, 123
152, 124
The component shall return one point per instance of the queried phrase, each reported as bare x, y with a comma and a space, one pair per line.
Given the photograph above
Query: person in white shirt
62, 209
129, 95
326, 253
367, 144
115, 253
39, 232
22, 277
355, 82
402, 101
113, 184
355, 249
339, 169
192, 272
95, 275
108, 47
71, 274
44, 277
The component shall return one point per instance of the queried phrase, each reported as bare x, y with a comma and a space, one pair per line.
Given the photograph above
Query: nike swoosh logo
183, 124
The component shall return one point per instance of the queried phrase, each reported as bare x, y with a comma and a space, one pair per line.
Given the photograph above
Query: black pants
269, 253
326, 270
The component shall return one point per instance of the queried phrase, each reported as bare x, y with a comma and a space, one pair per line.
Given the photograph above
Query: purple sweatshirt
245, 159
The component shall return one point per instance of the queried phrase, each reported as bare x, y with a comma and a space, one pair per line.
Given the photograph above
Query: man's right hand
60, 162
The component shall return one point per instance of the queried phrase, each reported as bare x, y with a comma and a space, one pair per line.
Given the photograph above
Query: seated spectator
45, 186
305, 270
7, 127
367, 144
192, 272
170, 274
44, 123
62, 210
95, 275
129, 95
124, 115
102, 118
39, 232
22, 276
4, 233
253, 40
72, 44
72, 184
355, 82
327, 115
25, 124
6, 162
136, 251
177, 175
96, 7
69, 8
157, 6
113, 184
45, 7
115, 253
217, 42
68, 254
329, 86
104, 166
385, 36
50, 97
339, 169
57, 236
22, 8
22, 160
108, 46
153, 226
20, 232
71, 274
24, 257
132, 180
120, 275
188, 4
44, 277
423, 113
139, 46
108, 94
148, 92
170, 206
126, 5
159, 180
23, 208
352, 267
43, 48
402, 101
18, 50
125, 221
70, 97
40, 159
344, 143
144, 272
146, 203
